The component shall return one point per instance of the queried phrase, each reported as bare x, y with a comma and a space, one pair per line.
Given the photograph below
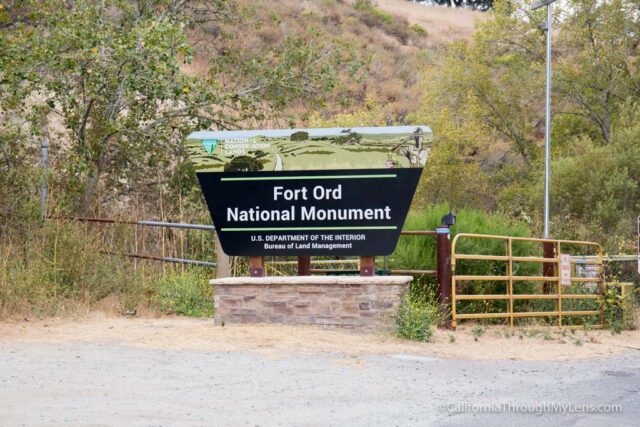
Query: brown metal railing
510, 278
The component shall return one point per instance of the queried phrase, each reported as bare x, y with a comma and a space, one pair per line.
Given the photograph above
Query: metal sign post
44, 162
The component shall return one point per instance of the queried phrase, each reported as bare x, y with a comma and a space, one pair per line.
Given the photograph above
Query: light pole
547, 118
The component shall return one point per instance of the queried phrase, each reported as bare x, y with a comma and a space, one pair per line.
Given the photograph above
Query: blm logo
209, 145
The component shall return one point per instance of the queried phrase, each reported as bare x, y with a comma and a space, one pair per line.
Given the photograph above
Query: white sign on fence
565, 269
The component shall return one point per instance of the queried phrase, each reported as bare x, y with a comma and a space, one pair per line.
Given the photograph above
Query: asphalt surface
104, 384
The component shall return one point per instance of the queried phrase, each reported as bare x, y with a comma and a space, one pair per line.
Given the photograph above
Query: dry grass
443, 24
382, 32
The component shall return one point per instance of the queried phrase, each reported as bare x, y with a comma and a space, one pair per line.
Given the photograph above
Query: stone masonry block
349, 302
364, 306
311, 289
274, 303
287, 311
302, 303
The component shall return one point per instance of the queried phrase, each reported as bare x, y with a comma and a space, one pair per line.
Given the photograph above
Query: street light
547, 119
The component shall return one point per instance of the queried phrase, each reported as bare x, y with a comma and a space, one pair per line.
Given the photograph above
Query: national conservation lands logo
335, 191
209, 145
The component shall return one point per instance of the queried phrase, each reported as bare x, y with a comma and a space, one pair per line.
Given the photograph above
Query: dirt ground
103, 370
179, 333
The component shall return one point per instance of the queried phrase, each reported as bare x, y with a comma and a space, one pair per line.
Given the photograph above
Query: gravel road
114, 384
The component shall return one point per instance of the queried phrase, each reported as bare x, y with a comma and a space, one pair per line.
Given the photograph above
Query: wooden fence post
367, 266
223, 264
256, 266
304, 264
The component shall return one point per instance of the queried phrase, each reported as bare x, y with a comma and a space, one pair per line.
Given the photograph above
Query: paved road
109, 384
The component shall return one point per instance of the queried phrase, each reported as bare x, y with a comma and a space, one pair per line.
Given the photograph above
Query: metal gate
571, 273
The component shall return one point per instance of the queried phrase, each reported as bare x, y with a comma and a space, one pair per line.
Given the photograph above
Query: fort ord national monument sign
308, 192
304, 192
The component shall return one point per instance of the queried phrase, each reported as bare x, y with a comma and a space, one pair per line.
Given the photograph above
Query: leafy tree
496, 79
597, 189
485, 102
243, 164
104, 81
598, 69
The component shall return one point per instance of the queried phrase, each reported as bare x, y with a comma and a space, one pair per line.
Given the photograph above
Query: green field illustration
310, 149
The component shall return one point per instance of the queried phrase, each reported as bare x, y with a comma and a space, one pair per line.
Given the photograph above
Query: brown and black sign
319, 213
274, 193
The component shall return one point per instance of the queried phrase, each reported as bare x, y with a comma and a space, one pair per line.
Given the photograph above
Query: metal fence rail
147, 223
550, 277
144, 223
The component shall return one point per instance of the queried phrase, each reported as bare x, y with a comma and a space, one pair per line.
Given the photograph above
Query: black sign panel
313, 212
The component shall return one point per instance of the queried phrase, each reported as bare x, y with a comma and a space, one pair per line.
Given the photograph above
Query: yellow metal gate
565, 268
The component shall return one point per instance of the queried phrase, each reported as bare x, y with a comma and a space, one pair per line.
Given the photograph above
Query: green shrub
419, 252
187, 293
419, 30
477, 332
373, 17
58, 268
618, 316
418, 316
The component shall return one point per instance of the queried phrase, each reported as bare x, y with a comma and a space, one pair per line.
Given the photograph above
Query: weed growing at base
187, 293
418, 314
477, 332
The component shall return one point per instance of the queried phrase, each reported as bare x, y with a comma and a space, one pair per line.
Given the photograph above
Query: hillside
444, 24
393, 39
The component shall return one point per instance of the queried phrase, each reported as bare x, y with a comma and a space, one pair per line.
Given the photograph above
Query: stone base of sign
337, 301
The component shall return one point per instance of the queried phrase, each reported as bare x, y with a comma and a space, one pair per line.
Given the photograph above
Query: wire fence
194, 244
622, 268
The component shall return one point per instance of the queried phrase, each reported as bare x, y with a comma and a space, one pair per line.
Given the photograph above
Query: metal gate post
443, 271
548, 268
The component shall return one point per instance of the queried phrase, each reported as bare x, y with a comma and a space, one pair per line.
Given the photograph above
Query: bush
419, 252
66, 268
58, 267
417, 319
373, 17
619, 315
419, 312
187, 293
419, 30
